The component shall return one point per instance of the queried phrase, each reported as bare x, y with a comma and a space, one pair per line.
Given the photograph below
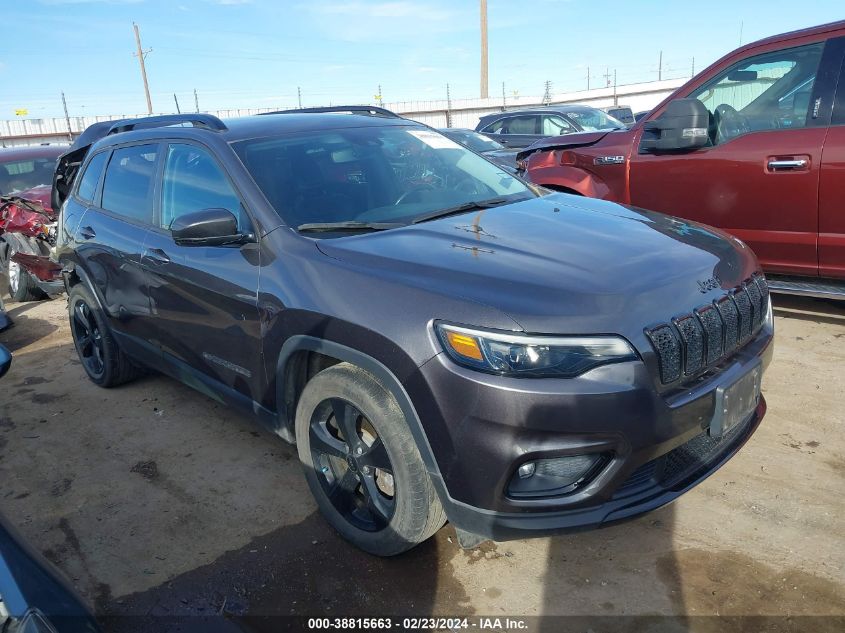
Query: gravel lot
155, 500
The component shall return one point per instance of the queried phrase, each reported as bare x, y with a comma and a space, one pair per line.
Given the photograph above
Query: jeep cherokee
440, 339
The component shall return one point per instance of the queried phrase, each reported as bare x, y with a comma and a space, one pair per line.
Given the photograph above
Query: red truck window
766, 92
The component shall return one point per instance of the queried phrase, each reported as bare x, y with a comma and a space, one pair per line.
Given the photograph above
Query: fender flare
303, 342
84, 278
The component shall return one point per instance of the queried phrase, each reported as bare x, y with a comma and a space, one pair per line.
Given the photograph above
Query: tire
22, 286
102, 359
352, 487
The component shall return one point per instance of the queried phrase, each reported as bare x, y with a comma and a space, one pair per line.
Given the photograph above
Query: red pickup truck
754, 144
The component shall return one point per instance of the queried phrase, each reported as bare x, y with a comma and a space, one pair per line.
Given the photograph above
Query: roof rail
208, 121
355, 109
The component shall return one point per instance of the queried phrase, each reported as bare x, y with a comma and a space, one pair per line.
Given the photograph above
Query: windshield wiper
317, 227
463, 208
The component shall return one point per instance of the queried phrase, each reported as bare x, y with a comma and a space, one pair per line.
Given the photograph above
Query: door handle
86, 232
791, 164
156, 256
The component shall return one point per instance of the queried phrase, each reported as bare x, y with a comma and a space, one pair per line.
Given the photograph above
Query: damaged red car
28, 222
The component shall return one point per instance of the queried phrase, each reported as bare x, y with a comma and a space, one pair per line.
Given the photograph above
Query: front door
203, 298
832, 192
519, 130
759, 180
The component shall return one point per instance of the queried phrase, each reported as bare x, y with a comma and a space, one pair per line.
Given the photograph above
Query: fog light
527, 470
556, 475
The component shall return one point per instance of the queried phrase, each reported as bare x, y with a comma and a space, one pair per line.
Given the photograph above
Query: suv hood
559, 263
576, 139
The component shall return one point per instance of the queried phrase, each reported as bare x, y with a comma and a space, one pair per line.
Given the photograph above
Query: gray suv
441, 340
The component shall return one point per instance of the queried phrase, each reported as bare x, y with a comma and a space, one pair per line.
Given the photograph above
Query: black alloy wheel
88, 339
352, 464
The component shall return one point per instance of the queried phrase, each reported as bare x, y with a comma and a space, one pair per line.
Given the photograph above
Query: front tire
362, 464
102, 359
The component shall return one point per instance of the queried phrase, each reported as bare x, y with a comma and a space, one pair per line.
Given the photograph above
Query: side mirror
209, 227
5, 361
682, 126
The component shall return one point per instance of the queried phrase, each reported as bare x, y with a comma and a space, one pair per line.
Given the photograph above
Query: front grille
693, 342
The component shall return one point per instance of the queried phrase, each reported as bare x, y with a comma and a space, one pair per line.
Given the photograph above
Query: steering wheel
414, 189
729, 122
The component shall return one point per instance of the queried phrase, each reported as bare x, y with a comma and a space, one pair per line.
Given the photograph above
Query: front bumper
659, 447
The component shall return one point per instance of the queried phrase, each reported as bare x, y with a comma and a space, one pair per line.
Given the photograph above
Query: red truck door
832, 191
760, 178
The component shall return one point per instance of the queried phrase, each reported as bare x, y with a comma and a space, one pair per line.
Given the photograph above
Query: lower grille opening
672, 468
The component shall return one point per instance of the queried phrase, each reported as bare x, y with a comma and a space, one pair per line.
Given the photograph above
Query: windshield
473, 140
20, 175
373, 174
591, 120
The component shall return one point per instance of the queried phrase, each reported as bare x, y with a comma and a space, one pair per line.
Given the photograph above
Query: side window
127, 189
765, 92
496, 127
521, 125
555, 126
193, 181
91, 177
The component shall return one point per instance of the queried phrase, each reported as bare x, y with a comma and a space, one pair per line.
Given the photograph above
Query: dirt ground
156, 501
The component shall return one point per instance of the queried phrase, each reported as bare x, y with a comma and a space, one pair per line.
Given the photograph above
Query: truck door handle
87, 233
157, 256
791, 164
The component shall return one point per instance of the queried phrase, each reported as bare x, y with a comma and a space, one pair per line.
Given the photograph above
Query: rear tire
102, 359
22, 286
352, 474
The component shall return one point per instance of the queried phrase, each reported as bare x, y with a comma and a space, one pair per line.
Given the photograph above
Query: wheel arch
303, 355
75, 275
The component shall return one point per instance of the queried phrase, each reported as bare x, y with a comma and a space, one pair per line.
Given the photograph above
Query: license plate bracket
736, 402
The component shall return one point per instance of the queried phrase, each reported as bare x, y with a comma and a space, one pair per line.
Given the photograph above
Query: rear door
203, 298
109, 238
832, 190
760, 179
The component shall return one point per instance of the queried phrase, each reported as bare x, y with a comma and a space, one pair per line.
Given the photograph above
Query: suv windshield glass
473, 140
374, 175
591, 120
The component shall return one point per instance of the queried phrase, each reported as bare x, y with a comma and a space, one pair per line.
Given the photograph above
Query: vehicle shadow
26, 329
828, 311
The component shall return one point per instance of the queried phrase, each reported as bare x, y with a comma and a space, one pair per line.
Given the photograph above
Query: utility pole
547, 96
379, 97
615, 98
67, 118
484, 87
178, 111
299, 96
196, 101
448, 107
693, 67
504, 98
607, 77
140, 55
660, 67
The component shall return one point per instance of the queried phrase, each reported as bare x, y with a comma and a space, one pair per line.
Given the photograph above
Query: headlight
514, 354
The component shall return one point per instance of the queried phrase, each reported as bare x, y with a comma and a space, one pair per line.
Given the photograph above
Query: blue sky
255, 53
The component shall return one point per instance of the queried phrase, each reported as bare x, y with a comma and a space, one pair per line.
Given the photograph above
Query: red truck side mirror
683, 126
